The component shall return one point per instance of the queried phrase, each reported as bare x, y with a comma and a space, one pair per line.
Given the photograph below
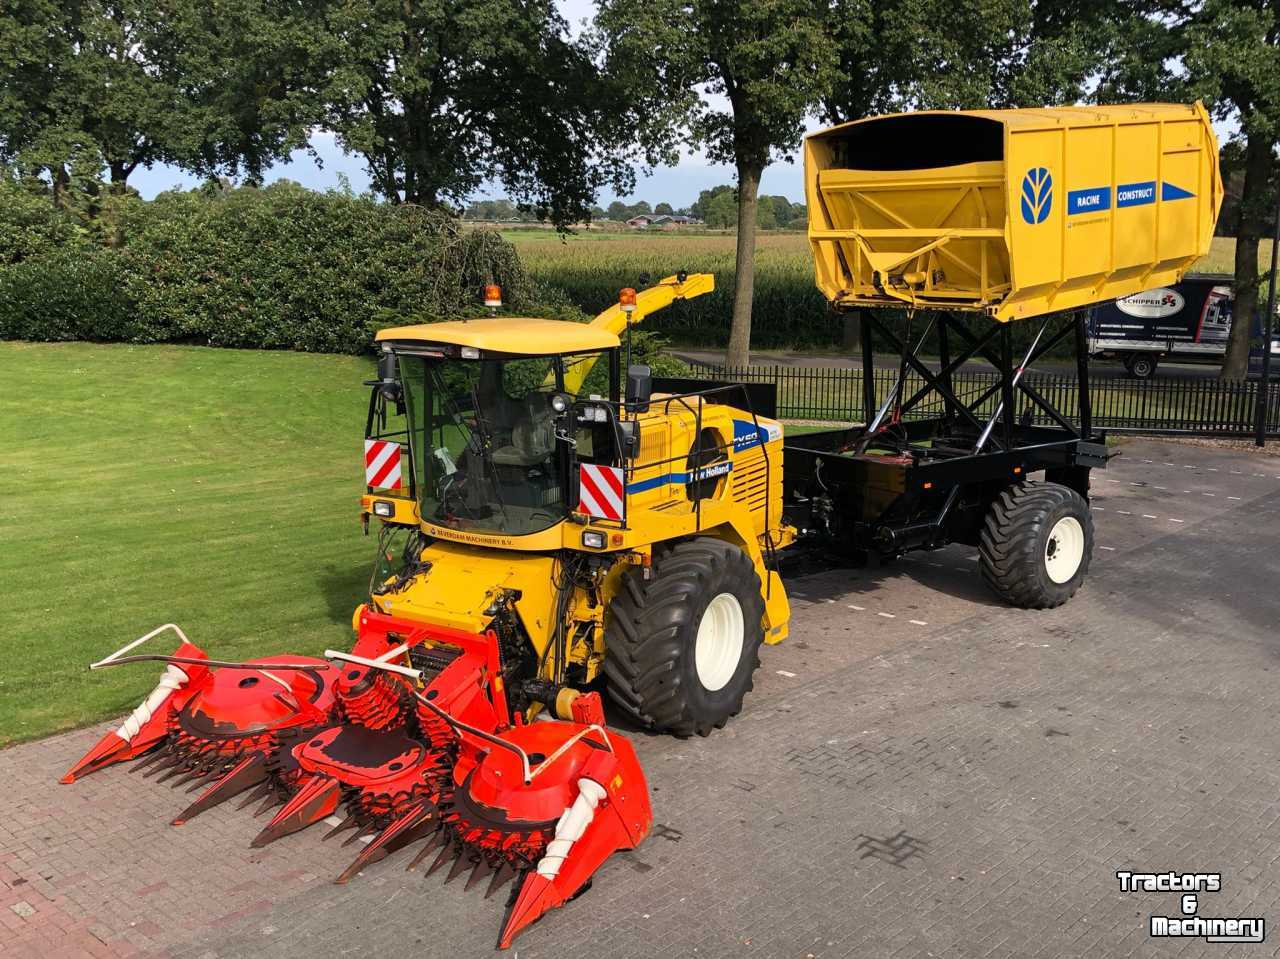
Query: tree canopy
1227, 54
122, 84
770, 61
439, 96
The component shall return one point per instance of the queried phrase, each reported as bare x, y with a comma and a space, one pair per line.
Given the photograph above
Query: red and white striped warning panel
382, 464
600, 491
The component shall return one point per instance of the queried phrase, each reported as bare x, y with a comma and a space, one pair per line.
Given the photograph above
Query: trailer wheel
1141, 366
681, 647
1036, 544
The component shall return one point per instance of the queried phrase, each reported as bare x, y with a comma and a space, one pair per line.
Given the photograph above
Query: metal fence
1206, 407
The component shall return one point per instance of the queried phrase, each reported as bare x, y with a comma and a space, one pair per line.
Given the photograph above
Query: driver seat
533, 437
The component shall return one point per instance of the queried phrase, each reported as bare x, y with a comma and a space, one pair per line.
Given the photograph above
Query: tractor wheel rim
1064, 550
718, 647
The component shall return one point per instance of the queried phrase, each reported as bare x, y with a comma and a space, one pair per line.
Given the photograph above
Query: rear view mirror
639, 388
387, 385
629, 434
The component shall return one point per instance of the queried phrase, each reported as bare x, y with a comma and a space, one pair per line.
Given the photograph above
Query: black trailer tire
681, 647
1035, 545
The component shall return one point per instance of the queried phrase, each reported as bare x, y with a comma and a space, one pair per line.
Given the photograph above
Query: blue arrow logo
1037, 195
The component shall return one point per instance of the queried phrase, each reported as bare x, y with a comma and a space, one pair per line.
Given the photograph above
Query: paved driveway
920, 771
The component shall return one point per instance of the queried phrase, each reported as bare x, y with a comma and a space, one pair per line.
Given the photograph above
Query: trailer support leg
1082, 376
944, 362
868, 366
1006, 384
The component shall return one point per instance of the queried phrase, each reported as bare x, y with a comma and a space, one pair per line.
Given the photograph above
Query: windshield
484, 442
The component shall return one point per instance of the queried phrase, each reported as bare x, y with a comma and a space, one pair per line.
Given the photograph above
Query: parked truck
1185, 322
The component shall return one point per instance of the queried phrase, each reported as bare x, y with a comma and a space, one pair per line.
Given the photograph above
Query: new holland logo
1037, 195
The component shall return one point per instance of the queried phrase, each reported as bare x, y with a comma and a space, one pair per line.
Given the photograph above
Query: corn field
590, 269
788, 312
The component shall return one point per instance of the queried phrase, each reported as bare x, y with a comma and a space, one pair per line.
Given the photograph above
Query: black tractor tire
1029, 542
652, 632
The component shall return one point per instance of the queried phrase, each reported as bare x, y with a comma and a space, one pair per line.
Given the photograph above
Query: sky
678, 186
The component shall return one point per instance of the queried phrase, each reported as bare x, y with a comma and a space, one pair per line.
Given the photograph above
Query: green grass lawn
217, 489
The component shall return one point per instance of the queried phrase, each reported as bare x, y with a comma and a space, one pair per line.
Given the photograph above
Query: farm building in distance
662, 221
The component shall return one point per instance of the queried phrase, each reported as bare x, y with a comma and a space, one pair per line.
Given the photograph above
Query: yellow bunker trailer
1016, 213
1013, 215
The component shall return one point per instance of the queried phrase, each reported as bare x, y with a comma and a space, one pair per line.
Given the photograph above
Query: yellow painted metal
462, 582
648, 301
520, 336
404, 511
1015, 213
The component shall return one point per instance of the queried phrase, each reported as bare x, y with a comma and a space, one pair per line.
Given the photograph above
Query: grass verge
216, 489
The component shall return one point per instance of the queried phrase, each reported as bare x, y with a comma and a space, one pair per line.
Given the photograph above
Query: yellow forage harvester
547, 528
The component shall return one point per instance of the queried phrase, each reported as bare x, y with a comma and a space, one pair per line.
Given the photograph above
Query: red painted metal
114, 748
404, 761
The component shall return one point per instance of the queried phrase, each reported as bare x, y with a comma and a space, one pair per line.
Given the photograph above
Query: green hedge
30, 226
68, 294
276, 268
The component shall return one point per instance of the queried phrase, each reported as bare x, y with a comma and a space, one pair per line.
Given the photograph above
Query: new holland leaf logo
1037, 195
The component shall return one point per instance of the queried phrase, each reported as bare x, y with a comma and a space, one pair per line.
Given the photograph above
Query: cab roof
520, 336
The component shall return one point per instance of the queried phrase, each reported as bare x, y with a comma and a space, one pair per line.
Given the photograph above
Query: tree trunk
1253, 224
61, 180
119, 177
739, 353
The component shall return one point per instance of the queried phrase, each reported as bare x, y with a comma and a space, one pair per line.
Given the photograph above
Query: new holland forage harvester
545, 530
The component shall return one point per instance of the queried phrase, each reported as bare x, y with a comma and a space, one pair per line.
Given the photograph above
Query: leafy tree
500, 210
700, 206
438, 96
935, 54
617, 211
721, 211
664, 209
771, 60
1232, 59
780, 213
766, 214
1227, 53
130, 83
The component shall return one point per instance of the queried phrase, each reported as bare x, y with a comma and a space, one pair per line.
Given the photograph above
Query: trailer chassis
906, 481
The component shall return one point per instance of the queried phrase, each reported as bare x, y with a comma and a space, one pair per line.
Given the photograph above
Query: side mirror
387, 369
387, 385
639, 388
629, 433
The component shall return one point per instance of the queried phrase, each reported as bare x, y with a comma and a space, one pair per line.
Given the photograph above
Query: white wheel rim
1064, 550
718, 648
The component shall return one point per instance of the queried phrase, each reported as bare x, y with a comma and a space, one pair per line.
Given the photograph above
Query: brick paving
920, 772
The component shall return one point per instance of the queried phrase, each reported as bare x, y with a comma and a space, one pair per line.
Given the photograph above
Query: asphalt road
920, 771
